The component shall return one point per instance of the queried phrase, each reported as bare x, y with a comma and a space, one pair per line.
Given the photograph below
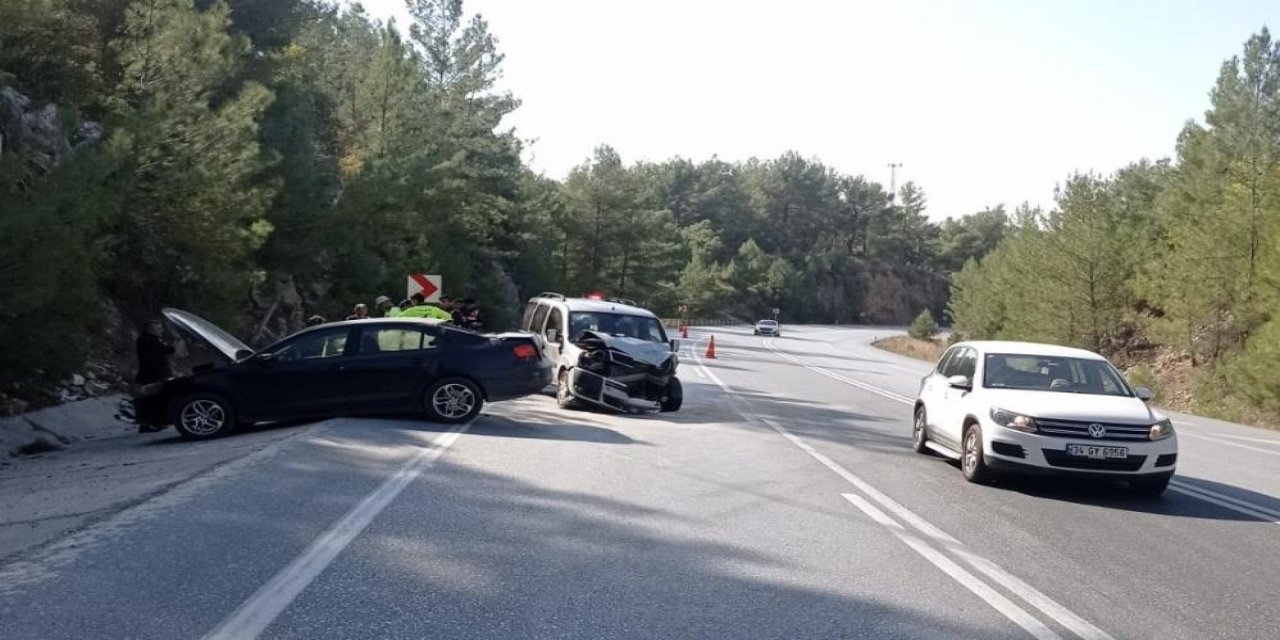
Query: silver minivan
607, 352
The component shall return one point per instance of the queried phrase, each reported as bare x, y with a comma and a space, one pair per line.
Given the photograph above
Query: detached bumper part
604, 392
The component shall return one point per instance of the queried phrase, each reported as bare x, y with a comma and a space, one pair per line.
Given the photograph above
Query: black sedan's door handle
337, 367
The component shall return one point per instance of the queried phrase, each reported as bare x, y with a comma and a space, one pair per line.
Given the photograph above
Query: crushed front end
623, 374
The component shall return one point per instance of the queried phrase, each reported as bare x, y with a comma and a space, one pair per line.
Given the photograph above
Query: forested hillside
256, 162
1173, 263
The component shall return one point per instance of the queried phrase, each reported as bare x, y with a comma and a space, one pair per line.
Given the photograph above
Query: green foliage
924, 327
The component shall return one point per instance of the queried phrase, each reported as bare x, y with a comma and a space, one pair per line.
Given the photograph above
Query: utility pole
893, 180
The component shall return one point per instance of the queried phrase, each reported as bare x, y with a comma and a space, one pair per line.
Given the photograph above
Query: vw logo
1098, 431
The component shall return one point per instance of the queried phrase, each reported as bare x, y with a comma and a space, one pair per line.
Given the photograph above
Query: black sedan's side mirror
266, 359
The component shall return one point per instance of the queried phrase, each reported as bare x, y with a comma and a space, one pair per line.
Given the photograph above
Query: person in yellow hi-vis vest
421, 309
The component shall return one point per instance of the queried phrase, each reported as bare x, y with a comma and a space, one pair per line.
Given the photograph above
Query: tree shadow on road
472, 554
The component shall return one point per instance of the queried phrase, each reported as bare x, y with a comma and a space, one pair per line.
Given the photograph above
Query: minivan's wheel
972, 463
673, 398
1150, 486
454, 400
564, 397
918, 434
201, 416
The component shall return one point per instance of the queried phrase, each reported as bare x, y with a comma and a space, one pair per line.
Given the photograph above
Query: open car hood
644, 351
212, 335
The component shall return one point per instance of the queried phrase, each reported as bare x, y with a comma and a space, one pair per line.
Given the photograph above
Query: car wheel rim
917, 433
453, 400
971, 451
203, 417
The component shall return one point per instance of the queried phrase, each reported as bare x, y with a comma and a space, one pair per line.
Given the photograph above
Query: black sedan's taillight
525, 351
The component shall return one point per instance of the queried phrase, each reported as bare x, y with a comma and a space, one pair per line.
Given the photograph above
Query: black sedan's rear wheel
201, 416
454, 400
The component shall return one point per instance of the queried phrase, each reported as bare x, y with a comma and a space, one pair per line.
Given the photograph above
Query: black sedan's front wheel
453, 401
201, 416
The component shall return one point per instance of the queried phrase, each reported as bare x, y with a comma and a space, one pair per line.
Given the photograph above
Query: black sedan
374, 366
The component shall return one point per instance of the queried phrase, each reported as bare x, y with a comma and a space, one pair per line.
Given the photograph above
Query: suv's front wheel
972, 462
564, 396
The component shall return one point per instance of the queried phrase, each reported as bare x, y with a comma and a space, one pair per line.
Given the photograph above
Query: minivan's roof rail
550, 294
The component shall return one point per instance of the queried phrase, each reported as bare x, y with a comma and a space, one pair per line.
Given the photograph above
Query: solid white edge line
1013, 612
252, 617
1047, 605
1229, 444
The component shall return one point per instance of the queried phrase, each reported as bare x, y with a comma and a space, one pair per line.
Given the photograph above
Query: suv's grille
1073, 429
1059, 458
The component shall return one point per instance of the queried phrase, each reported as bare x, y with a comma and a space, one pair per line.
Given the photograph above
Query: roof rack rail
550, 294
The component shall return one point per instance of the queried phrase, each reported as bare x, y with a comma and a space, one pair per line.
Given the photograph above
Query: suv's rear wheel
918, 434
201, 416
972, 462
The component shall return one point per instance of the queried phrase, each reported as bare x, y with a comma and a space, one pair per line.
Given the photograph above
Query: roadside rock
65, 424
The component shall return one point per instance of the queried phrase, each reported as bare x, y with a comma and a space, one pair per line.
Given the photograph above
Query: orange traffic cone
711, 348
684, 331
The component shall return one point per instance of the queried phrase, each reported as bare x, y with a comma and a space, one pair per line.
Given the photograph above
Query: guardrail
674, 323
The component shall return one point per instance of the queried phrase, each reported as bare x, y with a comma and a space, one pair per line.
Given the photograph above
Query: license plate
1097, 453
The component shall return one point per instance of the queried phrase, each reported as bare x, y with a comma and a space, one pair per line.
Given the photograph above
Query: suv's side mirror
960, 382
553, 336
675, 345
1144, 394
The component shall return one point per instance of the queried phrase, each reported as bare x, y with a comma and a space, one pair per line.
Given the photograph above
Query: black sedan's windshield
616, 324
1047, 373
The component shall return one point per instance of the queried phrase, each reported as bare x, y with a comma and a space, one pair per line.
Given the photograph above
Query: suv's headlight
1162, 429
1011, 420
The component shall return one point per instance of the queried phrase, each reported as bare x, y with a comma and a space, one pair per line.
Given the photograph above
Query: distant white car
768, 328
1039, 409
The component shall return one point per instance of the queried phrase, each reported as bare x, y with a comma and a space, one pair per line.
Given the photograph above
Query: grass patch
927, 350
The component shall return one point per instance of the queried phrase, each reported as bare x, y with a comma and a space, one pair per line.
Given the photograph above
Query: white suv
1032, 408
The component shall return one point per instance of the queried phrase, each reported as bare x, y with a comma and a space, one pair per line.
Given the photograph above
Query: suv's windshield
616, 324
1046, 373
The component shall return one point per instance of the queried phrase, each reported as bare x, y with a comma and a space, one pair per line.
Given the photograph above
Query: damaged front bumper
607, 393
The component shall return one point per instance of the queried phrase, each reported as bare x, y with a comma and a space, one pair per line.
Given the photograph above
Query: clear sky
982, 102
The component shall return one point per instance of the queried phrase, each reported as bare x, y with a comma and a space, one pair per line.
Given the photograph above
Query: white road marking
1223, 500
1245, 438
1230, 444
835, 376
1017, 614
1045, 604
263, 607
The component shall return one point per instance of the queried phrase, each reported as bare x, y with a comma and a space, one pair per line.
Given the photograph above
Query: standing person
360, 312
387, 308
153, 361
153, 354
471, 314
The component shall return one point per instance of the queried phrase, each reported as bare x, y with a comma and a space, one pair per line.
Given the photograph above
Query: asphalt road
782, 502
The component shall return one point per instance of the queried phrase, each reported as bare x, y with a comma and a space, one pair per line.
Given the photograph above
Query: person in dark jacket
153, 354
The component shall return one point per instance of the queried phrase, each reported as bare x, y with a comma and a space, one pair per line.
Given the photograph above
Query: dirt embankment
928, 350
